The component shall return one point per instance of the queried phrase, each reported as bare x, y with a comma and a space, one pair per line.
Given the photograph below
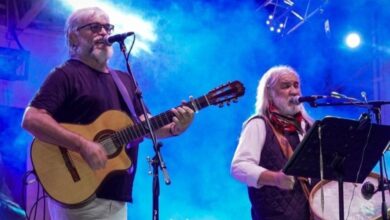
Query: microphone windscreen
295, 100
368, 190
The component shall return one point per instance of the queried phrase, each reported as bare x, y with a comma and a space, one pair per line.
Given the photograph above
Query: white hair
267, 85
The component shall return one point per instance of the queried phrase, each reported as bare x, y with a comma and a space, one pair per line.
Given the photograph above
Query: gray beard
284, 107
101, 56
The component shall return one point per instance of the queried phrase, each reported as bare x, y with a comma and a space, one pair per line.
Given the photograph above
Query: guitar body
65, 175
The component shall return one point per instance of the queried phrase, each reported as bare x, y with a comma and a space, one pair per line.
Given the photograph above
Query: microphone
116, 38
297, 100
364, 96
342, 96
335, 94
368, 190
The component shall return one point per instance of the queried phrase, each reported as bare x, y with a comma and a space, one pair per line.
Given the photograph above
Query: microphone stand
375, 107
157, 160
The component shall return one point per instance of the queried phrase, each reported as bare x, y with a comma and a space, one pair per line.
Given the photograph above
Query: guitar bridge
69, 164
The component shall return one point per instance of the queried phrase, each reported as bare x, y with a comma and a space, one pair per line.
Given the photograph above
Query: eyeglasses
97, 27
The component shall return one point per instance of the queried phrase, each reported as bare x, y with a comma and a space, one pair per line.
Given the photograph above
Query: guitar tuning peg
235, 100
228, 103
220, 105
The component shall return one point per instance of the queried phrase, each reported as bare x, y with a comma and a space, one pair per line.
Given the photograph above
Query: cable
364, 151
35, 205
360, 167
25, 183
130, 49
321, 169
44, 207
36, 208
350, 202
387, 178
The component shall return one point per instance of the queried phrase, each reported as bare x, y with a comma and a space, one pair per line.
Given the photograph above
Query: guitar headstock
226, 93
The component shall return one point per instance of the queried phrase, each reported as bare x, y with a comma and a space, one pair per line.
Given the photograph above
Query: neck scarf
285, 123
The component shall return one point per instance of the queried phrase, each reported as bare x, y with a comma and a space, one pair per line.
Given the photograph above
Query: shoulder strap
125, 94
251, 118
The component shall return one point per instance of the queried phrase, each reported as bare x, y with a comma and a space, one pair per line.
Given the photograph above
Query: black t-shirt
75, 93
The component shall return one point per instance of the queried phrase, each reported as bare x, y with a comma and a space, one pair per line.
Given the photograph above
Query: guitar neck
137, 131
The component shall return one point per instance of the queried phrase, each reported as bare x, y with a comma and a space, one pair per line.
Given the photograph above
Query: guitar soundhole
104, 134
111, 146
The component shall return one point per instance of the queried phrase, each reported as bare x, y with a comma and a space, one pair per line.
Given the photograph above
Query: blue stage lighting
353, 40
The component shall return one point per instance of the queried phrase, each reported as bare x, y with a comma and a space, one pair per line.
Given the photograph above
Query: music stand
343, 144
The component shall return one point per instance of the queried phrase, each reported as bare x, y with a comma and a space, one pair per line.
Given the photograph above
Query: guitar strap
125, 94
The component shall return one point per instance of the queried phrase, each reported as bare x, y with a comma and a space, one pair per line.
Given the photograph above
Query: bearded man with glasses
79, 92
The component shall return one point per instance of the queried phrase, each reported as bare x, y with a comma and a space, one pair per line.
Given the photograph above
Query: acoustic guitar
66, 176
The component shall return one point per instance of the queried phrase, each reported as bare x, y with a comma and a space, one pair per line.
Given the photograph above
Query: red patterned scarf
285, 123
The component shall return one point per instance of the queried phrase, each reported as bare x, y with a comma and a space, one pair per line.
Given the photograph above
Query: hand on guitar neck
182, 119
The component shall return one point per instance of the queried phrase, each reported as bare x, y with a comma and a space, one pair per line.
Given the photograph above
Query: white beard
285, 107
102, 55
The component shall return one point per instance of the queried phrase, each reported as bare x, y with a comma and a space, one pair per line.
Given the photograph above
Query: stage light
287, 15
352, 40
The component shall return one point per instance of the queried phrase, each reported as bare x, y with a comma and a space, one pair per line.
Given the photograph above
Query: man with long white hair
267, 141
79, 92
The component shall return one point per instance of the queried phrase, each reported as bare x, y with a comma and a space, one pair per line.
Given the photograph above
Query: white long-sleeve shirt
245, 164
245, 161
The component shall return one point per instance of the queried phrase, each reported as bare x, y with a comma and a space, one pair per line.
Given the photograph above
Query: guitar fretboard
136, 131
